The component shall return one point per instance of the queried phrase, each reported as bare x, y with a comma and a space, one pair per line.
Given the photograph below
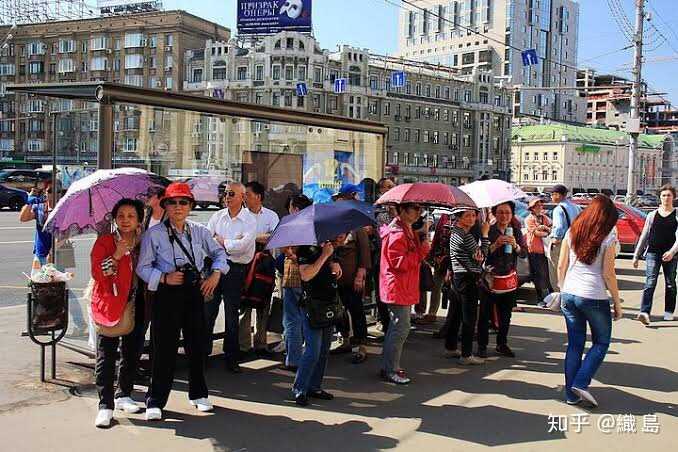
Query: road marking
31, 241
16, 227
12, 307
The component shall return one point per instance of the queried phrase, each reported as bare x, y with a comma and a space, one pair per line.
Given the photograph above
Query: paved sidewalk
505, 403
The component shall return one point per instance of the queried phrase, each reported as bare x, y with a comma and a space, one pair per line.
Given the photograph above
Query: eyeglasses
175, 202
230, 194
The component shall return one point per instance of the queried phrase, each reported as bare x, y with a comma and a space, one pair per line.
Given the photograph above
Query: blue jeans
314, 359
578, 311
293, 320
653, 262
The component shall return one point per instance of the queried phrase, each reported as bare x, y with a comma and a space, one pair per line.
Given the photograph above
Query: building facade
586, 159
485, 34
442, 127
144, 50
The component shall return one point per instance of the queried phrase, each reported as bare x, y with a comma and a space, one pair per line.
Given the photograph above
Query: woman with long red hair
585, 271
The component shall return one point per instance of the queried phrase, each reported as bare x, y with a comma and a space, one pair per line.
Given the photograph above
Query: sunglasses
177, 202
229, 193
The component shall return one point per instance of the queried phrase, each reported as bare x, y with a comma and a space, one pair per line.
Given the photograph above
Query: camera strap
173, 238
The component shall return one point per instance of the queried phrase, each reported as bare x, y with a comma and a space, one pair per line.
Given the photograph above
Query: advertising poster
268, 17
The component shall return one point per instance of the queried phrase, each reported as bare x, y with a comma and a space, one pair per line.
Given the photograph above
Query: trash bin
49, 310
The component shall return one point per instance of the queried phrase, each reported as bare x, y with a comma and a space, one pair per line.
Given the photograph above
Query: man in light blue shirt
563, 214
171, 262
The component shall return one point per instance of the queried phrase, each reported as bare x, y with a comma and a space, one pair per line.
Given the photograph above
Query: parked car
25, 179
12, 197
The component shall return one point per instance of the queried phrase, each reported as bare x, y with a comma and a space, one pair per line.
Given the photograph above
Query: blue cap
347, 189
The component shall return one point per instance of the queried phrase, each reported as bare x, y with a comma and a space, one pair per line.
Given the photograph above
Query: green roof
578, 134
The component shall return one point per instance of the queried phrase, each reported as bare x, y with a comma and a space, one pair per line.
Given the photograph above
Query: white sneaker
585, 395
471, 361
202, 404
127, 405
668, 316
104, 418
644, 318
153, 414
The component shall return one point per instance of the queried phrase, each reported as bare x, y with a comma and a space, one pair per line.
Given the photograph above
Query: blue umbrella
321, 222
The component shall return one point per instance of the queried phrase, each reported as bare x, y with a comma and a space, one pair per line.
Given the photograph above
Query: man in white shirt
234, 228
267, 220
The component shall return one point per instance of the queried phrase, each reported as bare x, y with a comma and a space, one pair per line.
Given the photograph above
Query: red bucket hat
177, 190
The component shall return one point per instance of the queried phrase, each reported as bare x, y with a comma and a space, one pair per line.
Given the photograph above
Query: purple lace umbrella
86, 207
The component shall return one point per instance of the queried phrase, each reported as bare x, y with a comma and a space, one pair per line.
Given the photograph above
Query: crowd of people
161, 269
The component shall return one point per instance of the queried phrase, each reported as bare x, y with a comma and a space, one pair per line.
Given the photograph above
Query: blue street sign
302, 89
340, 85
530, 57
218, 93
398, 79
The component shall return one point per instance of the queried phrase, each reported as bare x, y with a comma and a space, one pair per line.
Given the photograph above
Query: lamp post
563, 143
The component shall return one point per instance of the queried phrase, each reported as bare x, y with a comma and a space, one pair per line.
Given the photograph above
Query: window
546, 155
35, 145
169, 61
301, 72
288, 99
387, 108
35, 48
396, 134
373, 83
135, 61
417, 135
169, 40
66, 45
417, 113
289, 43
425, 136
428, 90
435, 138
258, 98
276, 72
554, 175
134, 80
437, 92
300, 102
466, 141
536, 156
219, 71
153, 41
446, 138
527, 156
275, 100
289, 72
134, 40
317, 75
169, 83
467, 96
555, 156
436, 114
417, 89
130, 144
66, 66
154, 82
242, 73
259, 72
7, 69
99, 64
446, 115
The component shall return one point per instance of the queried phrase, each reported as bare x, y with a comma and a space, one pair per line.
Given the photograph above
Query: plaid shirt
291, 275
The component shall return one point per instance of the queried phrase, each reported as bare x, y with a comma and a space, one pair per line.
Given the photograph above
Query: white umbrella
489, 193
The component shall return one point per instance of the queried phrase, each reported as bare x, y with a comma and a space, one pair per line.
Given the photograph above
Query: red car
629, 225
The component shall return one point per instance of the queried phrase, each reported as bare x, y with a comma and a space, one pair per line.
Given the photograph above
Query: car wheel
16, 204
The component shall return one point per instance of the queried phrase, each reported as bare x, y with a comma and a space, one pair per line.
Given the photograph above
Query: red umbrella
428, 194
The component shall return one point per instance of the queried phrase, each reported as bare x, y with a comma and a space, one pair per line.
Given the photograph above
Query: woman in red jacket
402, 252
113, 259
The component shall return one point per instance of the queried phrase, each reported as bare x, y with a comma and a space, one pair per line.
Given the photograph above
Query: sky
372, 24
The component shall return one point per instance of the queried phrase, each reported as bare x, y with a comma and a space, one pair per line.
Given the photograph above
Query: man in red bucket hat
171, 262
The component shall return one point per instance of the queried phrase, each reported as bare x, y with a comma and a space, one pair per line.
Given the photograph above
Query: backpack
259, 281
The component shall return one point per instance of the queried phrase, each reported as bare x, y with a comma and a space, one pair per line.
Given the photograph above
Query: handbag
499, 284
425, 277
323, 313
275, 317
259, 281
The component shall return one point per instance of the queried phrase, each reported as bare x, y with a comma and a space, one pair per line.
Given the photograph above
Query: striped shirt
463, 247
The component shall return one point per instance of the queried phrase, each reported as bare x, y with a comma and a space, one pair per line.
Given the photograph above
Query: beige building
584, 158
144, 50
484, 34
442, 126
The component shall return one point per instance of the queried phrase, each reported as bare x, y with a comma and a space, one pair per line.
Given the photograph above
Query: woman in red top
402, 252
538, 226
113, 259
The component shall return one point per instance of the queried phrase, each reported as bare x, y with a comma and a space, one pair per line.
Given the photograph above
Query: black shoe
301, 400
505, 350
343, 348
234, 368
320, 394
482, 352
262, 353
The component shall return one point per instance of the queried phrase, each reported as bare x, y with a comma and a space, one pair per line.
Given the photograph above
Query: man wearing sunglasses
234, 227
171, 262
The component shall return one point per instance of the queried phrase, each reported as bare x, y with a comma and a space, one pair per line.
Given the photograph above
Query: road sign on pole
340, 85
530, 57
398, 79
302, 89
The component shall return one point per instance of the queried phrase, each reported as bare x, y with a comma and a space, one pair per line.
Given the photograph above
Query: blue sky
372, 24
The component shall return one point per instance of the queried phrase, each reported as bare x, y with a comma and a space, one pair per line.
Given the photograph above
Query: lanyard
173, 237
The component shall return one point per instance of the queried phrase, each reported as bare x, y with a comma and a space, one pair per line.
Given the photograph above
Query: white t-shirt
587, 281
267, 220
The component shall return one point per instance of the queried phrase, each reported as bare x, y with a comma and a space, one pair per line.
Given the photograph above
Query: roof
577, 134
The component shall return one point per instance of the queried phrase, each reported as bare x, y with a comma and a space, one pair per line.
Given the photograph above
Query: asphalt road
16, 255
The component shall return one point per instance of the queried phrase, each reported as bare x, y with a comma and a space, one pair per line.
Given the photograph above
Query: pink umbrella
491, 192
431, 194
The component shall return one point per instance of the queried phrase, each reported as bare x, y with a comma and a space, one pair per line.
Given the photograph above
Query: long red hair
591, 227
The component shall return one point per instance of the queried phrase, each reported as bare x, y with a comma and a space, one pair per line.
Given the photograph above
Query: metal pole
106, 139
634, 123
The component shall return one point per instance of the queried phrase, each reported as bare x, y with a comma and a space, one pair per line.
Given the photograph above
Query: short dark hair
156, 191
668, 187
138, 207
561, 189
381, 181
257, 188
511, 204
299, 202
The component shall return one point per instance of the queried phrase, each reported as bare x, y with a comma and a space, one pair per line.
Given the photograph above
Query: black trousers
129, 353
177, 309
464, 306
229, 289
503, 305
539, 267
353, 302
382, 308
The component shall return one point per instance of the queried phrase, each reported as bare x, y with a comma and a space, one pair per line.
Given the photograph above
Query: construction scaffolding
36, 11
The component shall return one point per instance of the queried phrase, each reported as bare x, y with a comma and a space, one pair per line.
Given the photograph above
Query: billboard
267, 17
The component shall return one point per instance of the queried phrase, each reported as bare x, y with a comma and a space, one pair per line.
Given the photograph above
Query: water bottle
508, 248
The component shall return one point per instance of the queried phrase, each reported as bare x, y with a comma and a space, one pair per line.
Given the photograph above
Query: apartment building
443, 126
143, 50
488, 35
